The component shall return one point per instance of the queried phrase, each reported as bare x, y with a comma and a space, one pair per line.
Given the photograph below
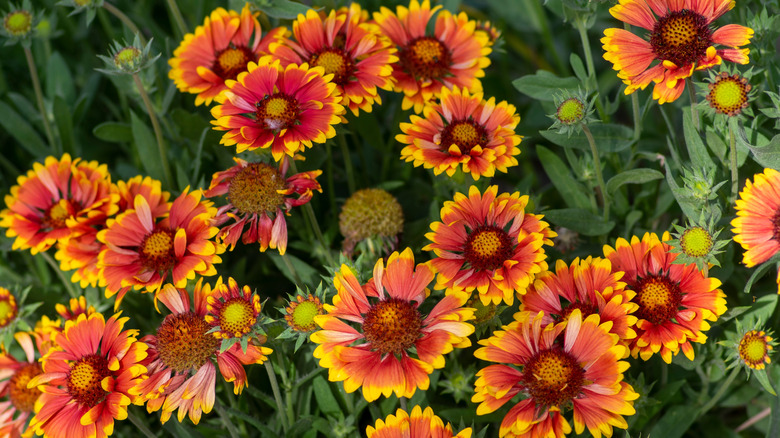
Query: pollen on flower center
553, 377
487, 248
156, 250
255, 189
425, 58
21, 397
231, 61
658, 298
276, 112
465, 134
729, 94
681, 37
85, 377
236, 317
587, 309
304, 313
571, 111
183, 341
392, 326
57, 215
696, 242
335, 62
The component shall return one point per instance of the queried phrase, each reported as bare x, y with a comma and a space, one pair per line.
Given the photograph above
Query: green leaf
763, 379
762, 309
608, 137
685, 203
675, 422
757, 273
24, 134
696, 149
578, 67
283, 9
767, 155
114, 132
62, 116
572, 192
59, 81
308, 274
146, 146
325, 399
633, 176
579, 220
301, 425
544, 85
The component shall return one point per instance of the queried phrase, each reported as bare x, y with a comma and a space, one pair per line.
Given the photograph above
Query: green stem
140, 425
226, 420
635, 104
347, 162
177, 17
157, 131
288, 397
312, 218
580, 24
331, 184
60, 274
547, 36
39, 97
403, 403
721, 391
597, 165
694, 111
292, 270
277, 395
126, 20
734, 170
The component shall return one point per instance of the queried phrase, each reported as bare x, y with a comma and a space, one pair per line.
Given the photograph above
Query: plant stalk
157, 131
312, 218
721, 391
597, 165
694, 111
140, 425
292, 270
126, 20
232, 431
347, 162
733, 160
277, 395
178, 18
60, 274
39, 97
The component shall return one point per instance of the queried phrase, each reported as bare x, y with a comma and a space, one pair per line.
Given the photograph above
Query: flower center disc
553, 377
728, 95
335, 62
303, 315
753, 349
696, 242
157, 251
57, 215
254, 189
21, 397
392, 326
587, 309
236, 317
183, 341
425, 58
231, 61
85, 377
276, 112
18, 22
658, 298
571, 111
465, 134
681, 37
487, 248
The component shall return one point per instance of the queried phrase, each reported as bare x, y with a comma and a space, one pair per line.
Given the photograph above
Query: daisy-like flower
259, 196
181, 371
589, 285
9, 309
14, 376
218, 51
284, 109
56, 200
143, 250
462, 131
681, 39
454, 54
76, 307
87, 378
573, 365
675, 300
232, 310
488, 243
754, 349
420, 424
376, 351
301, 311
355, 53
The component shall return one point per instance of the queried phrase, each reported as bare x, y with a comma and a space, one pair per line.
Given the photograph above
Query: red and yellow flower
420, 424
144, 250
589, 285
9, 309
488, 243
675, 300
462, 130
284, 109
455, 54
14, 376
259, 196
181, 371
87, 378
372, 332
681, 39
354, 52
218, 51
234, 311
573, 365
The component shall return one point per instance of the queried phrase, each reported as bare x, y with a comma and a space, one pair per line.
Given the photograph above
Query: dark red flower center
183, 342
255, 189
85, 377
157, 252
659, 299
21, 397
57, 215
231, 61
553, 377
392, 326
487, 248
335, 62
425, 58
587, 309
681, 37
277, 112
465, 134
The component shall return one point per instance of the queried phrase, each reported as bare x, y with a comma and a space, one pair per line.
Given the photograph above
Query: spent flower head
751, 347
19, 23
128, 58
572, 109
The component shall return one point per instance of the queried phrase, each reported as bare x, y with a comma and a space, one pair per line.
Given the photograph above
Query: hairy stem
721, 391
177, 17
694, 111
734, 169
60, 274
39, 97
157, 131
126, 20
277, 395
597, 165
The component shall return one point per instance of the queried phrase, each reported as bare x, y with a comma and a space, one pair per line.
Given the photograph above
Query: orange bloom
421, 424
76, 307
218, 51
55, 201
371, 332
9, 309
143, 249
589, 285
231, 310
259, 196
14, 376
681, 39
285, 109
675, 300
87, 378
573, 365
355, 53
454, 55
488, 243
464, 131
181, 373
